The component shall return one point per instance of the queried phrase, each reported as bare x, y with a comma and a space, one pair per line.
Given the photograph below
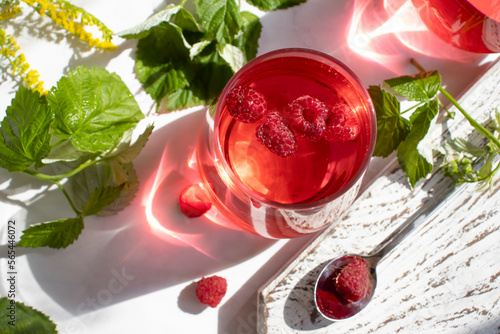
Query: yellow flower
9, 13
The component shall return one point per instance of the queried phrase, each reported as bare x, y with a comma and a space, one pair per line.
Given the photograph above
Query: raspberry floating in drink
341, 124
307, 116
246, 104
274, 134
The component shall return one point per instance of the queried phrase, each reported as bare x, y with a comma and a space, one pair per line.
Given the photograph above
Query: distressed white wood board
443, 278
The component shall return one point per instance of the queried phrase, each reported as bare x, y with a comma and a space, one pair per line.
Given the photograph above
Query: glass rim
297, 52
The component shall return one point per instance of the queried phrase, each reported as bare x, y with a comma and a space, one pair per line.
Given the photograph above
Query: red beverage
461, 24
283, 197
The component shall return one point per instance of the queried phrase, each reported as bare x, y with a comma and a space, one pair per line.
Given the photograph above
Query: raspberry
194, 201
211, 290
352, 282
308, 116
341, 124
274, 134
246, 104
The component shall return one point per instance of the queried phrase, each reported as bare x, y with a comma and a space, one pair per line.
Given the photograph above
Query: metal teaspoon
329, 303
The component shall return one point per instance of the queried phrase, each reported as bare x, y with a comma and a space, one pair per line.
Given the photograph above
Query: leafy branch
458, 157
82, 129
183, 61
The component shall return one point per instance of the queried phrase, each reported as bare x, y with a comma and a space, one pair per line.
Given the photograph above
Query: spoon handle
433, 205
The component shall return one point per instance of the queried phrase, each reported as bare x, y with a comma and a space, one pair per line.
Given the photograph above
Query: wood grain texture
443, 278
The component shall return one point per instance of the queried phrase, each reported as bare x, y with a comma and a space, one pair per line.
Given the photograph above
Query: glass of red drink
462, 24
285, 195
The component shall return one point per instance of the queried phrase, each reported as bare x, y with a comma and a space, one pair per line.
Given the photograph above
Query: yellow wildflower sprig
74, 19
9, 9
20, 67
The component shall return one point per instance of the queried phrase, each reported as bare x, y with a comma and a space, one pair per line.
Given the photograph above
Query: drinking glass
286, 197
462, 24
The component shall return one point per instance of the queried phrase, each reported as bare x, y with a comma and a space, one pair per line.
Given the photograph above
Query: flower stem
471, 120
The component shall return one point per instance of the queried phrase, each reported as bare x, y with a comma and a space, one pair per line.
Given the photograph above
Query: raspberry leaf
221, 18
392, 127
55, 234
269, 5
414, 155
420, 87
176, 15
183, 62
100, 185
25, 136
27, 319
232, 55
93, 108
248, 41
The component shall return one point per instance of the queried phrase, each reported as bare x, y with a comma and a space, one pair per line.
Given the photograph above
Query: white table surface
123, 274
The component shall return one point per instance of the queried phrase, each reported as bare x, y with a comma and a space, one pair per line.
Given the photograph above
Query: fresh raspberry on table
353, 281
246, 104
274, 134
307, 116
194, 201
211, 290
341, 124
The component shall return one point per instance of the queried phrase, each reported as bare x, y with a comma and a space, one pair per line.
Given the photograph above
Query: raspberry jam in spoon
347, 283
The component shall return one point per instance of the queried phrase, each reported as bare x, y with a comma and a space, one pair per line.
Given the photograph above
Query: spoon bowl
329, 302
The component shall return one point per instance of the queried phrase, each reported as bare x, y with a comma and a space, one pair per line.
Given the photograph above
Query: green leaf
212, 74
108, 184
197, 48
83, 184
27, 320
413, 155
420, 87
127, 194
232, 55
172, 13
269, 5
55, 234
101, 198
64, 152
221, 18
462, 147
25, 137
127, 152
392, 128
93, 108
248, 41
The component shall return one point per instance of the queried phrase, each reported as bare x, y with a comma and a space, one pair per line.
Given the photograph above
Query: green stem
413, 107
471, 120
59, 177
70, 201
